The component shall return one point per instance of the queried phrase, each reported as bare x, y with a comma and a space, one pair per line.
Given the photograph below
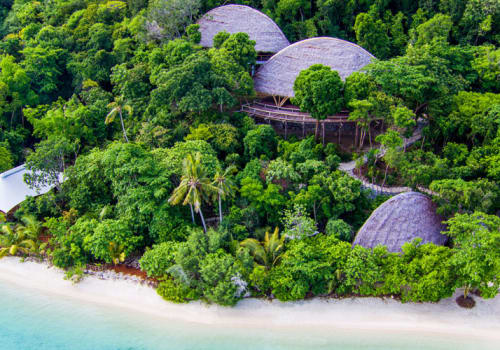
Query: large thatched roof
238, 18
401, 219
277, 76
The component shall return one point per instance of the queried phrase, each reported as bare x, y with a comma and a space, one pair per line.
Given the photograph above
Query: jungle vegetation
160, 164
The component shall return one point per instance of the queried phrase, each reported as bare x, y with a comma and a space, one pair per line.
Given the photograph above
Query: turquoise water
31, 320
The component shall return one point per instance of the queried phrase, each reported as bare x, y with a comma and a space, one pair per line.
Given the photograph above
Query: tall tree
224, 186
166, 18
476, 253
361, 115
15, 87
117, 107
391, 141
318, 91
195, 186
371, 33
48, 162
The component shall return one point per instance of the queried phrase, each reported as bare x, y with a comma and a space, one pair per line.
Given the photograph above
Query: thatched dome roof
401, 219
239, 18
277, 76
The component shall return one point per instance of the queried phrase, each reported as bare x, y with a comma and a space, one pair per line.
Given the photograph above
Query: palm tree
266, 253
224, 186
117, 252
31, 229
117, 107
194, 187
14, 241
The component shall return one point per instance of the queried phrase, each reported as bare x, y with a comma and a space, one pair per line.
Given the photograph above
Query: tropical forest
363, 161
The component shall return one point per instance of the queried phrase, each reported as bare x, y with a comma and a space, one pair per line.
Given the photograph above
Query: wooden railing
287, 114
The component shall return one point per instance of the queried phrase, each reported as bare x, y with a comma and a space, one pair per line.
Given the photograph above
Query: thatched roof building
401, 219
277, 76
239, 18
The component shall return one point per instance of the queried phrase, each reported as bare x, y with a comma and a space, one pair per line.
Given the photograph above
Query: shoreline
389, 316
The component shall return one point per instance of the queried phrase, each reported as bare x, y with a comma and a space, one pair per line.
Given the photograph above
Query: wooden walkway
349, 167
289, 114
294, 115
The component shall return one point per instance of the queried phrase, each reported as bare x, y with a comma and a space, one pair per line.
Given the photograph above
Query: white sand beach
374, 314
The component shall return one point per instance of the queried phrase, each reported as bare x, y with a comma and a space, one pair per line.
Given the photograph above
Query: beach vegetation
268, 252
157, 260
476, 256
22, 239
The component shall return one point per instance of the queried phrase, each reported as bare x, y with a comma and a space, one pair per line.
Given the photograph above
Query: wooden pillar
340, 130
323, 127
286, 129
303, 129
275, 101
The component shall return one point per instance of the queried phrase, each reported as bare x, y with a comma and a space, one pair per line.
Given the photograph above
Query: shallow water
30, 319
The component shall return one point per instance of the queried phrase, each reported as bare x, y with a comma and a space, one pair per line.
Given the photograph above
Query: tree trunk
123, 127
362, 139
220, 210
192, 212
203, 221
356, 136
419, 107
370, 135
314, 212
385, 174
466, 292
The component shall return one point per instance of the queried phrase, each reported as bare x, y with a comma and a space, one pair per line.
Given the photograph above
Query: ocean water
30, 319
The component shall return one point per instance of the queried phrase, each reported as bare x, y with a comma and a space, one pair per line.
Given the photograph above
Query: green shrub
107, 231
259, 279
260, 141
339, 229
176, 292
67, 241
311, 265
158, 260
218, 273
366, 270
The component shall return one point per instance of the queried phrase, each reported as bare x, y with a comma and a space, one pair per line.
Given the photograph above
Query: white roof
13, 189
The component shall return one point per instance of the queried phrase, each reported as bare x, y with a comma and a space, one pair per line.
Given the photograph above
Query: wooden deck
289, 114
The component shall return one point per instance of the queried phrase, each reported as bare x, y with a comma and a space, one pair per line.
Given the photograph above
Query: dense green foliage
144, 124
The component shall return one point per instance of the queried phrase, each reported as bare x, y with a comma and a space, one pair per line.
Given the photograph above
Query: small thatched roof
277, 76
401, 219
239, 18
